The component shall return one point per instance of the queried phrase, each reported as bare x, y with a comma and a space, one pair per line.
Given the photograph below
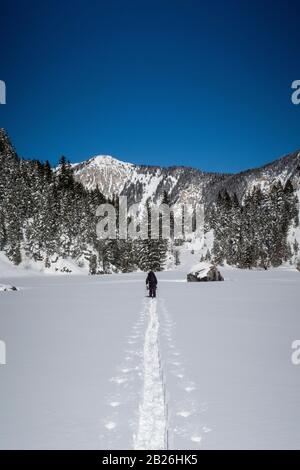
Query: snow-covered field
93, 363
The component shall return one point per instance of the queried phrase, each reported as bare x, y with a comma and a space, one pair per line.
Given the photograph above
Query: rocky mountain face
183, 184
140, 182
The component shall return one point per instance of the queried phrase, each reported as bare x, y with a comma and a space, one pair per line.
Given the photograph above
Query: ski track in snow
152, 429
140, 378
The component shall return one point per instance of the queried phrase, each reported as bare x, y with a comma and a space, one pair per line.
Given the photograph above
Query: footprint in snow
110, 425
196, 438
114, 404
118, 380
189, 389
184, 414
206, 429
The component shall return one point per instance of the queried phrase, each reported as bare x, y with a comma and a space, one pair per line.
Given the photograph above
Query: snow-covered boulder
5, 288
203, 272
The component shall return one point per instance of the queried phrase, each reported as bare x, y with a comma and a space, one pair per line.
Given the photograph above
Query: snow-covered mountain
183, 184
105, 171
45, 217
192, 186
140, 182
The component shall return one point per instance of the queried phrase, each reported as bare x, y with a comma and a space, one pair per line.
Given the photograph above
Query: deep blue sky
170, 82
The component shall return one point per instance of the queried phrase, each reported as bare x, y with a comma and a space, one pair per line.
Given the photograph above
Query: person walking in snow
151, 283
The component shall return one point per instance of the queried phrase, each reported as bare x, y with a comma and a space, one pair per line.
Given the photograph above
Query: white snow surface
152, 424
94, 364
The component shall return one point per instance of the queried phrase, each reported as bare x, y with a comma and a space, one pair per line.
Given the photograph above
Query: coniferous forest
45, 214
254, 233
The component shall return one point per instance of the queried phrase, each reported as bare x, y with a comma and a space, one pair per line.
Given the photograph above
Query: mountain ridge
184, 184
45, 217
290, 159
135, 181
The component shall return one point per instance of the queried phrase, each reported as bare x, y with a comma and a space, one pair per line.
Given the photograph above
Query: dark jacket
151, 279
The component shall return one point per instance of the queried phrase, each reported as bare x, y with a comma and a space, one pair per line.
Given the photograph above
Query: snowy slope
92, 363
139, 183
183, 184
29, 266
